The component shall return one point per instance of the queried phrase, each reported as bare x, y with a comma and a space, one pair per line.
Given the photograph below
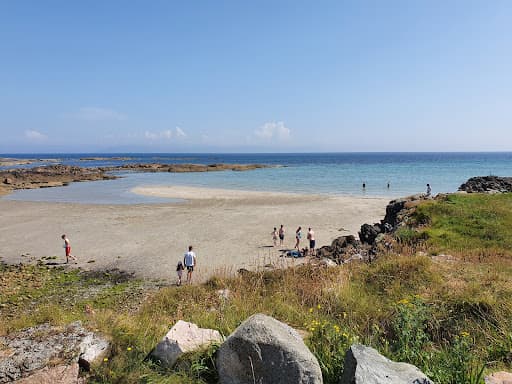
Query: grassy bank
452, 319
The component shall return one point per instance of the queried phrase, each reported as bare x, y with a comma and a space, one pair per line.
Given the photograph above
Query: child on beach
67, 247
274, 236
179, 271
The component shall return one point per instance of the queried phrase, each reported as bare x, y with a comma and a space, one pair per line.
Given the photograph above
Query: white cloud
180, 132
167, 134
35, 135
273, 130
151, 135
96, 114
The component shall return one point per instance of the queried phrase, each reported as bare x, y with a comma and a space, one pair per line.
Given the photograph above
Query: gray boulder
263, 350
364, 365
499, 378
182, 338
369, 233
61, 374
24, 352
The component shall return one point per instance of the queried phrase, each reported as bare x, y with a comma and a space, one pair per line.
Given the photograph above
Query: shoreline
228, 229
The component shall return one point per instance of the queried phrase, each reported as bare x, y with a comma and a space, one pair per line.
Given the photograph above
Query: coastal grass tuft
475, 225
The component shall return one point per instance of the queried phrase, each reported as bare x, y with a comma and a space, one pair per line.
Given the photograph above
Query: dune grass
477, 224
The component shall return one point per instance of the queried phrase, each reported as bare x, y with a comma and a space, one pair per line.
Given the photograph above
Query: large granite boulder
263, 350
364, 365
24, 352
183, 337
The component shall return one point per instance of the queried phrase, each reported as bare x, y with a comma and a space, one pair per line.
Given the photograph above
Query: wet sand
228, 229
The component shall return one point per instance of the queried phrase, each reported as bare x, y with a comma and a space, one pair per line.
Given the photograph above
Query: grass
476, 224
451, 319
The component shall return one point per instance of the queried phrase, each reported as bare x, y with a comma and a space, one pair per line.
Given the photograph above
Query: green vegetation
453, 319
478, 224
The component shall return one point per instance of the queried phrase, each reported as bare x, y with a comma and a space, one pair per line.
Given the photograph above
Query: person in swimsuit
311, 238
281, 235
67, 247
298, 236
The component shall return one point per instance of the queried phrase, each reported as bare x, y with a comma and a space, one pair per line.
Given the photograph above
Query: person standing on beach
311, 238
298, 236
429, 190
274, 236
281, 235
67, 247
190, 262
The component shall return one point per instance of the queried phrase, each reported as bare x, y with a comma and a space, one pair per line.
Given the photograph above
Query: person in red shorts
67, 247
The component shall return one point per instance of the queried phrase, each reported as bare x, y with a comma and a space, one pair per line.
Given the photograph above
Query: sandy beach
228, 229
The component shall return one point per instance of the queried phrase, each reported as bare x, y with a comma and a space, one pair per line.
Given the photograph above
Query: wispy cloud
166, 135
34, 135
96, 114
180, 132
273, 130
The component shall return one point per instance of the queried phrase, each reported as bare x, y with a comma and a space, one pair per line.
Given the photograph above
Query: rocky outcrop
340, 249
49, 176
60, 175
263, 350
488, 184
364, 365
23, 353
182, 338
180, 168
9, 162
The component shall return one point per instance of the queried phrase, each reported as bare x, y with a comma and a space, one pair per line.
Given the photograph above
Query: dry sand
228, 229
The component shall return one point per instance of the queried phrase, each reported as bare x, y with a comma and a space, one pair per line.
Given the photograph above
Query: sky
255, 76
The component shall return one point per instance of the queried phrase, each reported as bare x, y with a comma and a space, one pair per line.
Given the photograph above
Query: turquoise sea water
325, 173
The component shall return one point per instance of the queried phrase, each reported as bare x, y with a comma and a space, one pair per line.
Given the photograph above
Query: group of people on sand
279, 234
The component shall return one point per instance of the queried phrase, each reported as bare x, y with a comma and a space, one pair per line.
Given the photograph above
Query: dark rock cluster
490, 184
372, 237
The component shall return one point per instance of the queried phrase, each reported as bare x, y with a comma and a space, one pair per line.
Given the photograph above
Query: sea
388, 175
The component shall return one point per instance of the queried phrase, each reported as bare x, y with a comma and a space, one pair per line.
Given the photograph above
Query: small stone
499, 378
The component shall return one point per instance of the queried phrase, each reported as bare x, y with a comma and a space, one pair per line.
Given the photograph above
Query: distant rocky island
59, 175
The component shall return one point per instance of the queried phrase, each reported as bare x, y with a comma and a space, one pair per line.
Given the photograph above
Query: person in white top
189, 260
311, 238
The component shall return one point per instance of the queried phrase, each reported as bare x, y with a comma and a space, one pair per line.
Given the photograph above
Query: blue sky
260, 76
